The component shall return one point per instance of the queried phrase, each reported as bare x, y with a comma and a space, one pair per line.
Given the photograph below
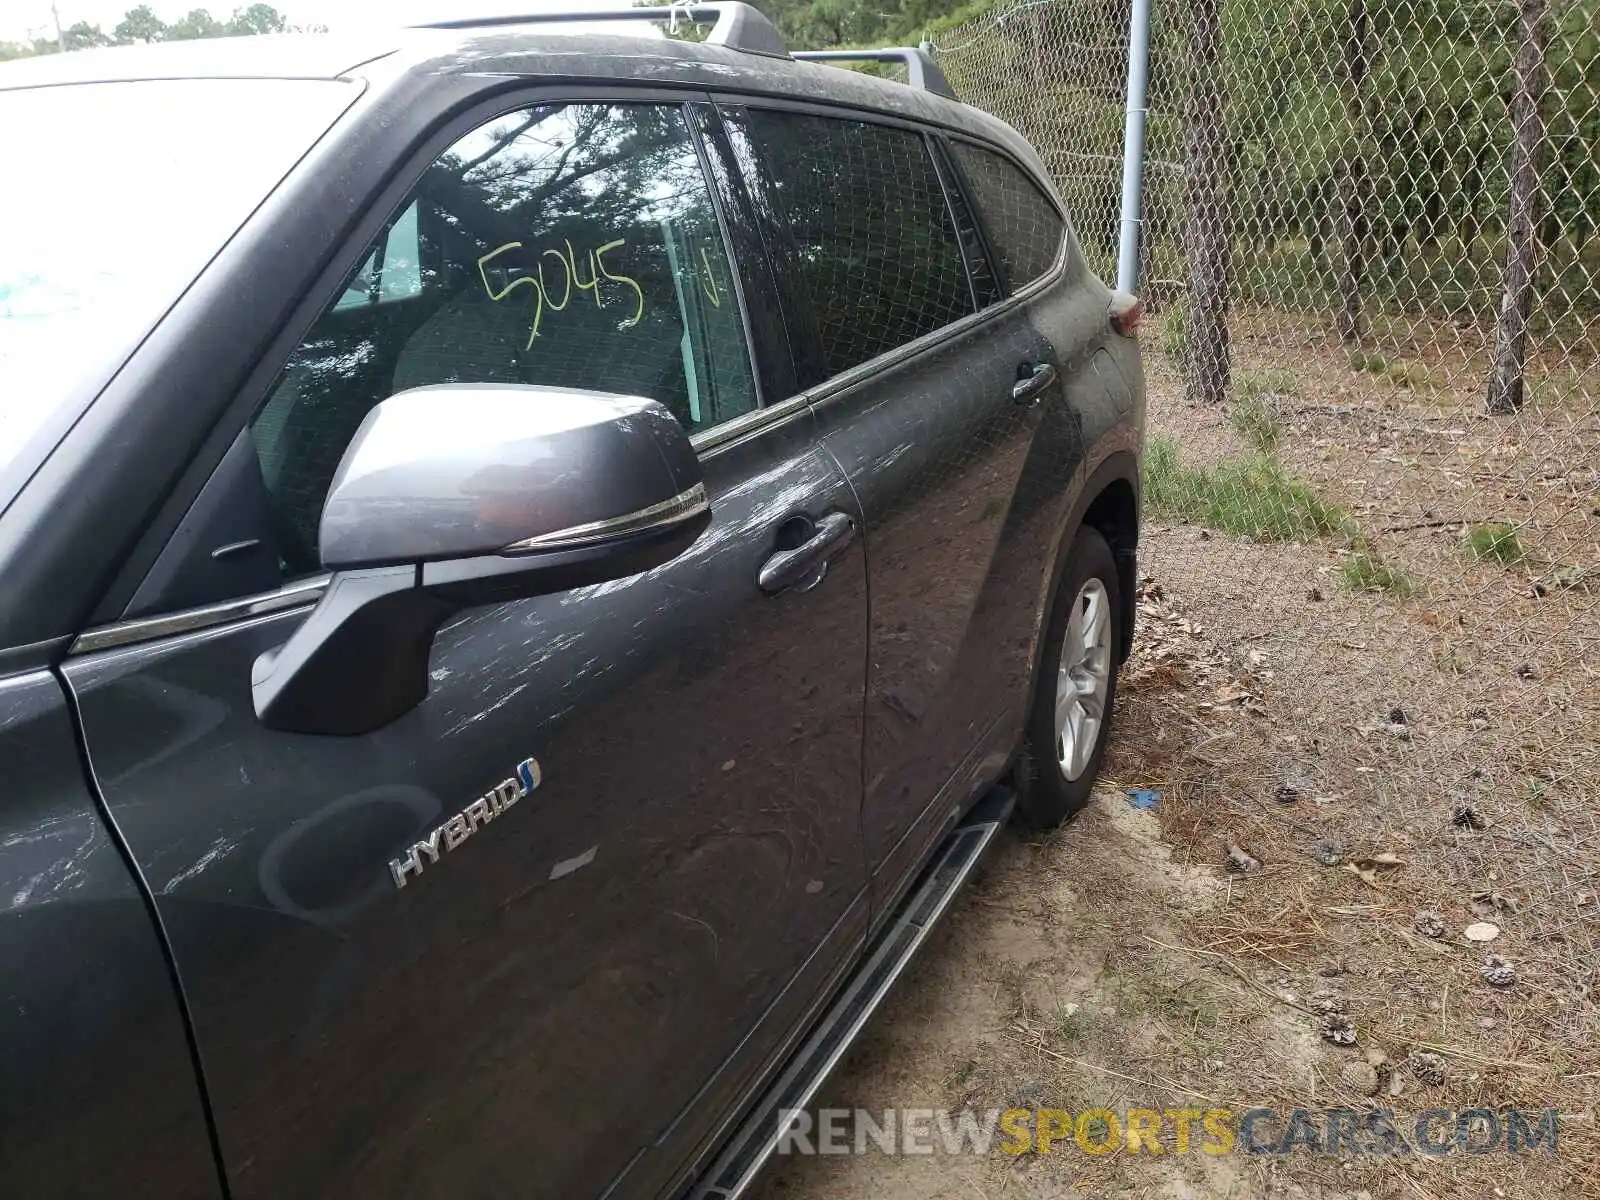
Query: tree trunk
1352, 177
1527, 131
1207, 236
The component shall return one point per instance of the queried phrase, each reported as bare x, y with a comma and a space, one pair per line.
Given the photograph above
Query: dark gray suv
535, 559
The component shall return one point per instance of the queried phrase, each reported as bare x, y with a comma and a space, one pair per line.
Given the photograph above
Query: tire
1049, 792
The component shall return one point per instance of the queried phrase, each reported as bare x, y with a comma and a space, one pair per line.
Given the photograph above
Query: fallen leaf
1368, 875
1487, 903
1481, 931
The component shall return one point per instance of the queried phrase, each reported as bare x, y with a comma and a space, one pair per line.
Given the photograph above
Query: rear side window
872, 252
1024, 227
571, 245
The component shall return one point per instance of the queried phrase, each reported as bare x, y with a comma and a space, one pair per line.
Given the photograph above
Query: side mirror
467, 494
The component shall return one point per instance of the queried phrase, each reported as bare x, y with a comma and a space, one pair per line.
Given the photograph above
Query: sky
21, 19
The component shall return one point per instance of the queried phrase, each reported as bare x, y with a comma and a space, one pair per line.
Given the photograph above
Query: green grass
1071, 1027
1364, 571
1495, 541
1538, 795
1256, 497
1569, 387
1255, 419
1401, 374
1190, 1018
1413, 375
1097, 1131
1173, 337
1268, 383
1455, 276
1254, 413
1253, 497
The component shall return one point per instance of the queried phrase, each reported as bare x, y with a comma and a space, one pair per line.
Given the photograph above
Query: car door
679, 866
915, 382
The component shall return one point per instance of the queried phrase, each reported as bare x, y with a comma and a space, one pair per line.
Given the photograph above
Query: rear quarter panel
1089, 436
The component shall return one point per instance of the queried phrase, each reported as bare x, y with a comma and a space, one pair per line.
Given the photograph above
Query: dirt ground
1388, 772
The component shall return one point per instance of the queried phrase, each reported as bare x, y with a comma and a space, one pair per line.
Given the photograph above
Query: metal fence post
1133, 146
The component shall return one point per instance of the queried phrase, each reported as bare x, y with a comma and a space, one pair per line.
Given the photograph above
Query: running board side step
755, 1140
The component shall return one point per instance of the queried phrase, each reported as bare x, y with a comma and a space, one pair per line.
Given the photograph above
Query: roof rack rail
919, 64
736, 26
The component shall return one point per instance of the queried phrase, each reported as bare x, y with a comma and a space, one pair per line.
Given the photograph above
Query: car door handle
1031, 388
803, 567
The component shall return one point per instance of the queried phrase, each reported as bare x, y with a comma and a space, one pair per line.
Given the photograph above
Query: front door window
574, 245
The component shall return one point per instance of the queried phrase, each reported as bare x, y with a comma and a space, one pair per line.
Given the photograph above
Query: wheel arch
1114, 513
1108, 502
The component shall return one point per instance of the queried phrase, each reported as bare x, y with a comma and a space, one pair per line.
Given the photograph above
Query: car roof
268, 56
578, 55
583, 53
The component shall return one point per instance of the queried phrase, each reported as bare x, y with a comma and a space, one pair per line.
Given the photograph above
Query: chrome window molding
305, 592
143, 629
745, 424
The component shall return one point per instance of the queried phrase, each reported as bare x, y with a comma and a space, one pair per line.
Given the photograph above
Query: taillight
1126, 310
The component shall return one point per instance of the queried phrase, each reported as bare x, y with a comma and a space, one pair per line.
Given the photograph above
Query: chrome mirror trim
684, 506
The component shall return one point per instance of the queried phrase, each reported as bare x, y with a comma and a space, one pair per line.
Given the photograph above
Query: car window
393, 271
873, 251
1023, 225
986, 286
571, 245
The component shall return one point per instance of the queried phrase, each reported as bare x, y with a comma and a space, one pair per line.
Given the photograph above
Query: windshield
117, 196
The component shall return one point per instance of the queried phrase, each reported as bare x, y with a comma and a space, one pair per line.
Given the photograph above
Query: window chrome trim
745, 424
143, 629
305, 592
680, 508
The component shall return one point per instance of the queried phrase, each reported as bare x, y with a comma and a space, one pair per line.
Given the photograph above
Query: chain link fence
1371, 258
1372, 270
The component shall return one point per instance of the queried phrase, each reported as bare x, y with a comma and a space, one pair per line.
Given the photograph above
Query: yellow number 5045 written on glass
570, 277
